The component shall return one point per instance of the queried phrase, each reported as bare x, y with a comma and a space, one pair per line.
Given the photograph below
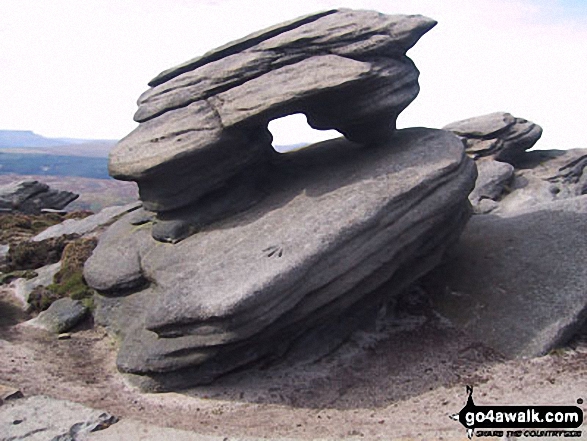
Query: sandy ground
400, 380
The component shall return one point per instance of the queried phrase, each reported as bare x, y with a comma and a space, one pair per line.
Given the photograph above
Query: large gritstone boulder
344, 229
202, 144
241, 253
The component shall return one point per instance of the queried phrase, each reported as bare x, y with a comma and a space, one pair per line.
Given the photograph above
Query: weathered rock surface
86, 225
32, 196
61, 316
342, 231
516, 282
492, 180
23, 287
41, 418
546, 176
203, 131
499, 135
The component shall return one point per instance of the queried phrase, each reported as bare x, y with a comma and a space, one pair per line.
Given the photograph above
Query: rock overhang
205, 122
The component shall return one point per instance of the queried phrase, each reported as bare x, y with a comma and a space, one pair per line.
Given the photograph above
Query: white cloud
72, 68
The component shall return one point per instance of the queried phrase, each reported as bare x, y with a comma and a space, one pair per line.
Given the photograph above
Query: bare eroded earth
399, 380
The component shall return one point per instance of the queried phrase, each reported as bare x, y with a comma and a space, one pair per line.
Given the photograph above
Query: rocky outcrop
541, 176
268, 253
31, 197
493, 179
516, 282
89, 224
344, 229
202, 144
499, 135
61, 316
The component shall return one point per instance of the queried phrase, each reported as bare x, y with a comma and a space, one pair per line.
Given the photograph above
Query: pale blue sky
75, 68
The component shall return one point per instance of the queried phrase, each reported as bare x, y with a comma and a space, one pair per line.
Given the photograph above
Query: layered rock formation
272, 252
516, 279
344, 230
202, 144
498, 135
31, 197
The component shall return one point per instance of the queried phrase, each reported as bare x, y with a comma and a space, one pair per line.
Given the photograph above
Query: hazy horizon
75, 69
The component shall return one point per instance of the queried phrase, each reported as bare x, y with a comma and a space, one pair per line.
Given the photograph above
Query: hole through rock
293, 132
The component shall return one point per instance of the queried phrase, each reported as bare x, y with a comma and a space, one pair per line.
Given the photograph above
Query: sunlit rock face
498, 135
267, 253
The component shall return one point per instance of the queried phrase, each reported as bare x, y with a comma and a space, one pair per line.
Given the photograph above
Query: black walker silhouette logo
522, 418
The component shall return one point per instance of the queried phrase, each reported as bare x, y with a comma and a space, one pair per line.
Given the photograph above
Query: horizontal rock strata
499, 135
342, 231
31, 197
203, 125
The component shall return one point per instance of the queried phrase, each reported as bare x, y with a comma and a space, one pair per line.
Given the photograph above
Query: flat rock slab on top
516, 282
203, 125
87, 224
499, 135
341, 221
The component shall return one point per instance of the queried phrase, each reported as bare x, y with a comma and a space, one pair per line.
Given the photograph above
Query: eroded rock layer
499, 135
203, 125
343, 230
31, 197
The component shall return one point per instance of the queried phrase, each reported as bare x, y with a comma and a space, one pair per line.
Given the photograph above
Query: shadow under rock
10, 314
409, 351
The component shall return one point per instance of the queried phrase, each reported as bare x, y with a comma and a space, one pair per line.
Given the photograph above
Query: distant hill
23, 152
53, 165
29, 142
25, 138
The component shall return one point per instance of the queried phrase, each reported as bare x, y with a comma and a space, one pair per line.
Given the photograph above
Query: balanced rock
499, 135
344, 229
202, 145
31, 197
269, 253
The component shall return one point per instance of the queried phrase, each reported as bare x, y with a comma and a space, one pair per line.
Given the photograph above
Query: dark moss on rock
31, 255
69, 280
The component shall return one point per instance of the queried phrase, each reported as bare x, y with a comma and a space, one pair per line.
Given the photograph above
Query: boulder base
342, 230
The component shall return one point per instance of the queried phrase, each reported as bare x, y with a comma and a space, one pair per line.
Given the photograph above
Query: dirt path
401, 381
